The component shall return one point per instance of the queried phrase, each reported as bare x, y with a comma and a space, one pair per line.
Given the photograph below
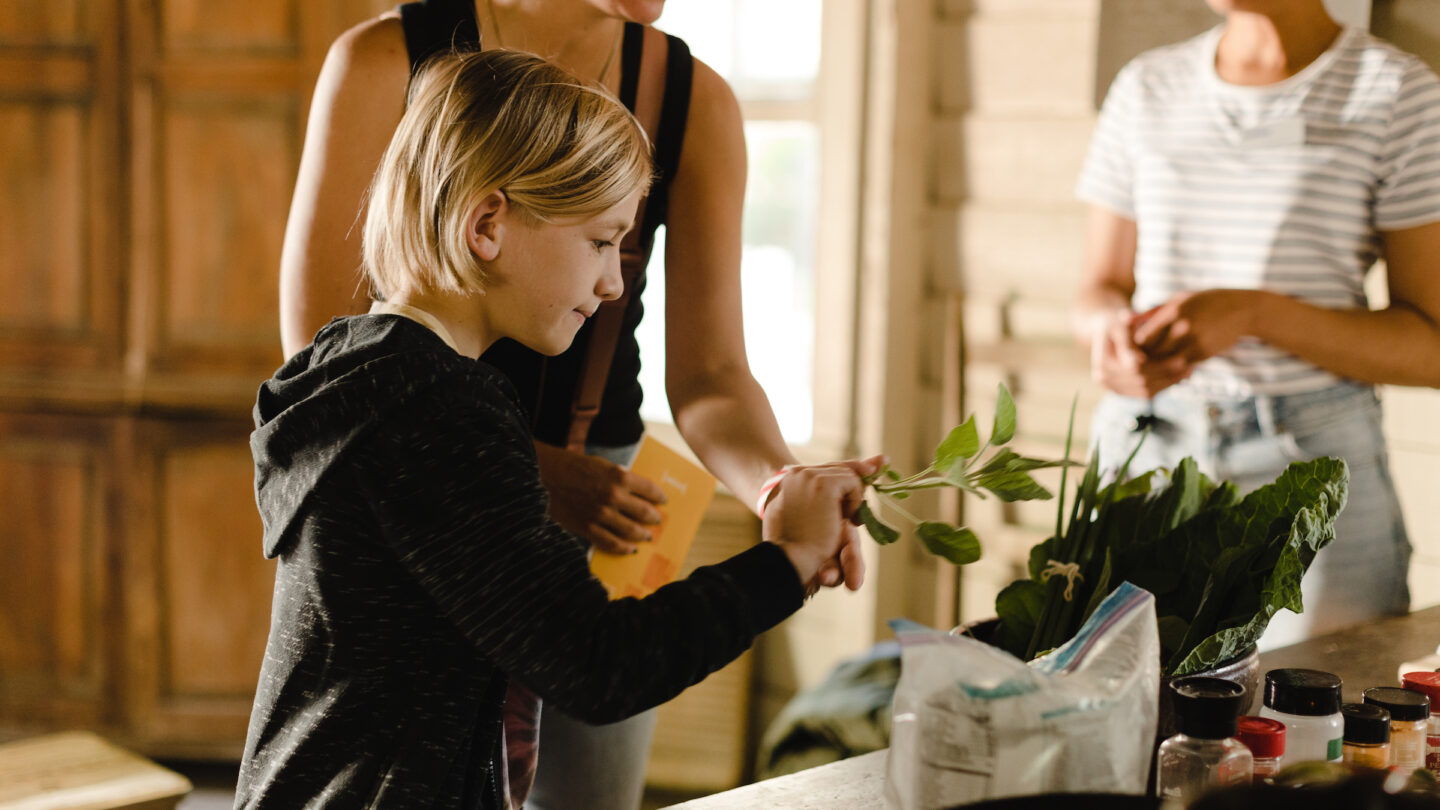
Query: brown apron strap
609, 318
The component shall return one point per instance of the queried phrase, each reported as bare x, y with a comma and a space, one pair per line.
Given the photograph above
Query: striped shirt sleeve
1409, 189
1108, 175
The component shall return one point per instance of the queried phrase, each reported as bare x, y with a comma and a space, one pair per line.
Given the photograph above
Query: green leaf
1172, 633
962, 443
882, 534
959, 546
890, 473
1004, 417
1100, 587
999, 462
1018, 606
1012, 486
1040, 554
1245, 561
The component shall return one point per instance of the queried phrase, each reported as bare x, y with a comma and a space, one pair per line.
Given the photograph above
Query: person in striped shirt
1241, 185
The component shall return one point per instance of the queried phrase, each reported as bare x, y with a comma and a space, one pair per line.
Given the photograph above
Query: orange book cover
688, 489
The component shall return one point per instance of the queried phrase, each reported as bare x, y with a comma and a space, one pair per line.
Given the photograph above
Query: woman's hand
599, 501
812, 518
1195, 326
1121, 365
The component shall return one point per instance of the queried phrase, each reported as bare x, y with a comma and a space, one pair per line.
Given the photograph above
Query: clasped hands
1140, 354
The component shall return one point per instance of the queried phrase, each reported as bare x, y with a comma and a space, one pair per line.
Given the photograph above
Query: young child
418, 570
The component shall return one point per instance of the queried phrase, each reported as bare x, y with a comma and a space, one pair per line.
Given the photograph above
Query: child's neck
457, 314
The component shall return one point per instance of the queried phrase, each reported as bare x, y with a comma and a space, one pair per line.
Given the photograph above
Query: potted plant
1219, 564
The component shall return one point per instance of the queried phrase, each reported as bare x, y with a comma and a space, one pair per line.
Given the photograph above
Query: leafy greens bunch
1218, 564
960, 463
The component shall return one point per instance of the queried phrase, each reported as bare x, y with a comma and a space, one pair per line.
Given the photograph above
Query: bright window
769, 52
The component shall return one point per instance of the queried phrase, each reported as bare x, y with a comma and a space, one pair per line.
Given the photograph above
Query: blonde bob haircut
557, 146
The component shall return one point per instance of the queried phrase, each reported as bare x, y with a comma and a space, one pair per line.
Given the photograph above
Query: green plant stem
895, 504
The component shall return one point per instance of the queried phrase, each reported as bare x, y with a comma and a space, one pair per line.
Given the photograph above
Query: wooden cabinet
147, 153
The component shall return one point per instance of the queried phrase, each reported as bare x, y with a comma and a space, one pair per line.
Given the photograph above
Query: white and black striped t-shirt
1284, 187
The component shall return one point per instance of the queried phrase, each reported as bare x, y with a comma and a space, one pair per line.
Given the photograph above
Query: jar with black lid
1409, 718
1367, 735
1307, 701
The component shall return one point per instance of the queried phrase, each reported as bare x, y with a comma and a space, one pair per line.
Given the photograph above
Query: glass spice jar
1409, 720
1266, 740
1204, 754
1428, 683
1367, 735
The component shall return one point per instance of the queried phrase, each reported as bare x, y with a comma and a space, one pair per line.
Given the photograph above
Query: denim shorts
1361, 575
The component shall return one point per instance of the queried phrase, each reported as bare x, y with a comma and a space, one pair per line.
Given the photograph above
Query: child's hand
811, 518
601, 502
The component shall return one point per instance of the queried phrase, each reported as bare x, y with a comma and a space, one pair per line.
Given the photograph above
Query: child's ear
485, 226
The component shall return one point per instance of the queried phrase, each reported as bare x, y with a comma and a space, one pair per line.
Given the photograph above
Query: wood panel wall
147, 154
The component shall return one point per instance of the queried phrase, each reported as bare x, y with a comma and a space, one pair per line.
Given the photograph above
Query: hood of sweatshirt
327, 398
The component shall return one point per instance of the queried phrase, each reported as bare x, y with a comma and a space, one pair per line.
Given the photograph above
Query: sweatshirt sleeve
458, 496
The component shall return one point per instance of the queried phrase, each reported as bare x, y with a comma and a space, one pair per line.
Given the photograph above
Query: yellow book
688, 489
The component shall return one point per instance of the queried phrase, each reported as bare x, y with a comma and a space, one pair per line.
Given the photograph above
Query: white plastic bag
973, 722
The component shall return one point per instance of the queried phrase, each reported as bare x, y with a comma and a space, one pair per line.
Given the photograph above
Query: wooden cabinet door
56, 539
61, 225
196, 591
147, 153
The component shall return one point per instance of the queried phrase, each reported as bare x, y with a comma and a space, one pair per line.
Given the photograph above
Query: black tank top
547, 384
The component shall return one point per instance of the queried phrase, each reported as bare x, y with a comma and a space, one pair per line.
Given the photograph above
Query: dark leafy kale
1219, 565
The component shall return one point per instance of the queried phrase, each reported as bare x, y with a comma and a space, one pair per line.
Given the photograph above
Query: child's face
548, 278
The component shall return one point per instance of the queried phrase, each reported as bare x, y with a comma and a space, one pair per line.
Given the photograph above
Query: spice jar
1307, 701
1204, 754
1428, 683
1409, 718
1266, 740
1367, 735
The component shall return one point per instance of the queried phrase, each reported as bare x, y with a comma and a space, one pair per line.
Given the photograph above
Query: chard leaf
882, 534
1019, 606
1172, 633
1004, 417
1040, 554
1013, 486
1255, 552
959, 546
962, 443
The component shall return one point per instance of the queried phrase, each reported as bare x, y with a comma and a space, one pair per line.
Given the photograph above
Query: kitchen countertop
1363, 656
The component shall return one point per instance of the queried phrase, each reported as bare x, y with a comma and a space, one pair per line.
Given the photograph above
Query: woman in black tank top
698, 137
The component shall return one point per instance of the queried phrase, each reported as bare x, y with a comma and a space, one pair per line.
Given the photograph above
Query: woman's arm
358, 101
718, 406
1398, 345
1103, 321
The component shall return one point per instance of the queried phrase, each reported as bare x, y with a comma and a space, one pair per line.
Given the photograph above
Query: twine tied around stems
1071, 572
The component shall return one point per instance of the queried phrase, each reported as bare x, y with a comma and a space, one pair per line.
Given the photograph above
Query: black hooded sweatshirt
418, 571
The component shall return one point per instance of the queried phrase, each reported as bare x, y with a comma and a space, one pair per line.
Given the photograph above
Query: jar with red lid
1428, 683
1265, 738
